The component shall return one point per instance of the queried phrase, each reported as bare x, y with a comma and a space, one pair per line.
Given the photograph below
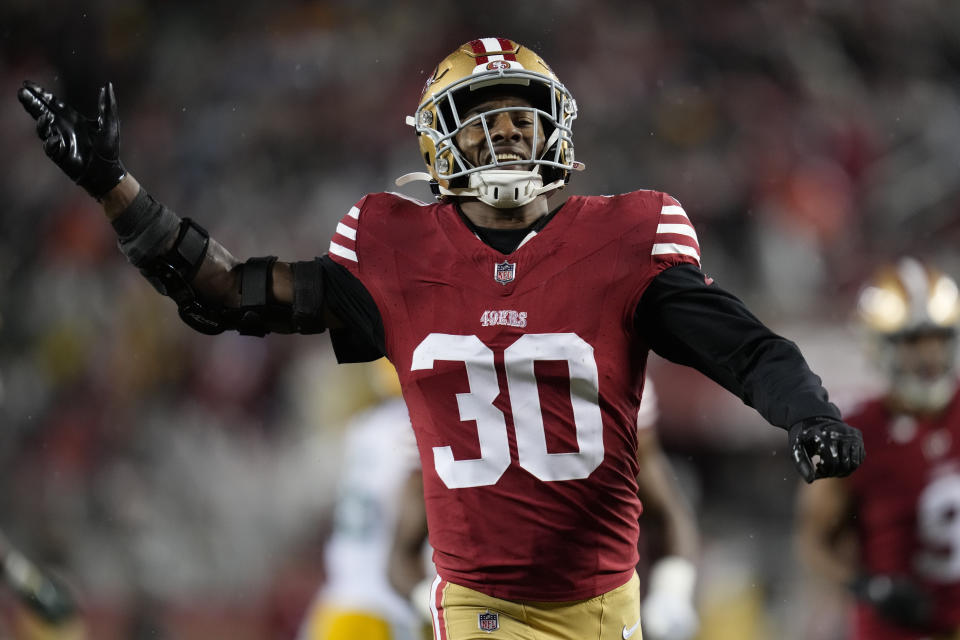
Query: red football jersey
523, 375
907, 497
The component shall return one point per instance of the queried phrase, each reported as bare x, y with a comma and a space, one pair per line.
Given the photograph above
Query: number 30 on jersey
477, 405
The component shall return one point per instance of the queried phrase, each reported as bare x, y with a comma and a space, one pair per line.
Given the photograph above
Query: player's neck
483, 215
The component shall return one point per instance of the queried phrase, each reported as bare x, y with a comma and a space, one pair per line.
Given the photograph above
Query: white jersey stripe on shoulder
410, 198
348, 232
666, 248
673, 210
682, 229
343, 252
354, 213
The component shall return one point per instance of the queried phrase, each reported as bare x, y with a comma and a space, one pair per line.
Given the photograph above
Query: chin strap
416, 176
506, 188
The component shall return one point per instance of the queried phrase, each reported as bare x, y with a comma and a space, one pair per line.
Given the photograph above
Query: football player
356, 600
669, 612
519, 331
901, 512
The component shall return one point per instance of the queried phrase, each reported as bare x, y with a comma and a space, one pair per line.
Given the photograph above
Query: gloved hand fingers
842, 461
106, 106
31, 100
108, 119
44, 96
53, 144
855, 454
802, 461
858, 452
829, 464
45, 125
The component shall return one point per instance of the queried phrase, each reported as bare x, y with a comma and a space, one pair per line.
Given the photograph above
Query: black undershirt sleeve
689, 322
362, 338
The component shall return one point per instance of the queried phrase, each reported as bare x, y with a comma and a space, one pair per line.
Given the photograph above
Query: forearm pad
257, 314
146, 228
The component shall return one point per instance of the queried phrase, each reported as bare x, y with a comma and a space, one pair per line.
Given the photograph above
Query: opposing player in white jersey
668, 609
356, 600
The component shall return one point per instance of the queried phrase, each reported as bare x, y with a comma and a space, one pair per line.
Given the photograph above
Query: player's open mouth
507, 157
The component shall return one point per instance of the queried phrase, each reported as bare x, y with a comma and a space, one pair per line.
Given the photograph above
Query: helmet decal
489, 49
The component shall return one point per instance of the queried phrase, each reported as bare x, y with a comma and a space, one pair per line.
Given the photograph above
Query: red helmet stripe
478, 48
506, 45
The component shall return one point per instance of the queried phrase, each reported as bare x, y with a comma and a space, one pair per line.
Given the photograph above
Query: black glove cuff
100, 180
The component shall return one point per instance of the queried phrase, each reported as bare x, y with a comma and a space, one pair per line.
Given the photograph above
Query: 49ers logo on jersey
504, 318
504, 272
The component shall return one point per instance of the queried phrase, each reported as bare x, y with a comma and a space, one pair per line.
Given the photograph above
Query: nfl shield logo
488, 621
504, 272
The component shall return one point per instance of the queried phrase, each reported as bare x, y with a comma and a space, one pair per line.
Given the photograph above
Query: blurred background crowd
182, 484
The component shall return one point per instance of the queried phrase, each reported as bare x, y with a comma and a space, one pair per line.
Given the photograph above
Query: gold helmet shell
478, 64
907, 297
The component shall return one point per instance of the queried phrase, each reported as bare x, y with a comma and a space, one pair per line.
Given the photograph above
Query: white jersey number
938, 525
519, 359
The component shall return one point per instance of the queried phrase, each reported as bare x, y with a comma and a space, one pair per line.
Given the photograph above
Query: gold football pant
460, 613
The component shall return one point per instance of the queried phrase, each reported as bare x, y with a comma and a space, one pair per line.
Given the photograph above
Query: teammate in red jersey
902, 508
519, 332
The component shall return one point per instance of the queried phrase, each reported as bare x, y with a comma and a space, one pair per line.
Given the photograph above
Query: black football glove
86, 149
838, 446
896, 599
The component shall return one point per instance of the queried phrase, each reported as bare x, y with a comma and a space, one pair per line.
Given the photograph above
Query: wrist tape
145, 229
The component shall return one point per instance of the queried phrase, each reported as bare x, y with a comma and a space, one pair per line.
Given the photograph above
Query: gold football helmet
900, 306
479, 64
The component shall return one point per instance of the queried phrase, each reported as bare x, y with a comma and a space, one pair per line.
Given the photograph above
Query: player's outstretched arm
213, 290
688, 319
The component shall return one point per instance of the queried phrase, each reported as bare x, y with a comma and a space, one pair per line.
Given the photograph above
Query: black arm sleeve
689, 322
362, 338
